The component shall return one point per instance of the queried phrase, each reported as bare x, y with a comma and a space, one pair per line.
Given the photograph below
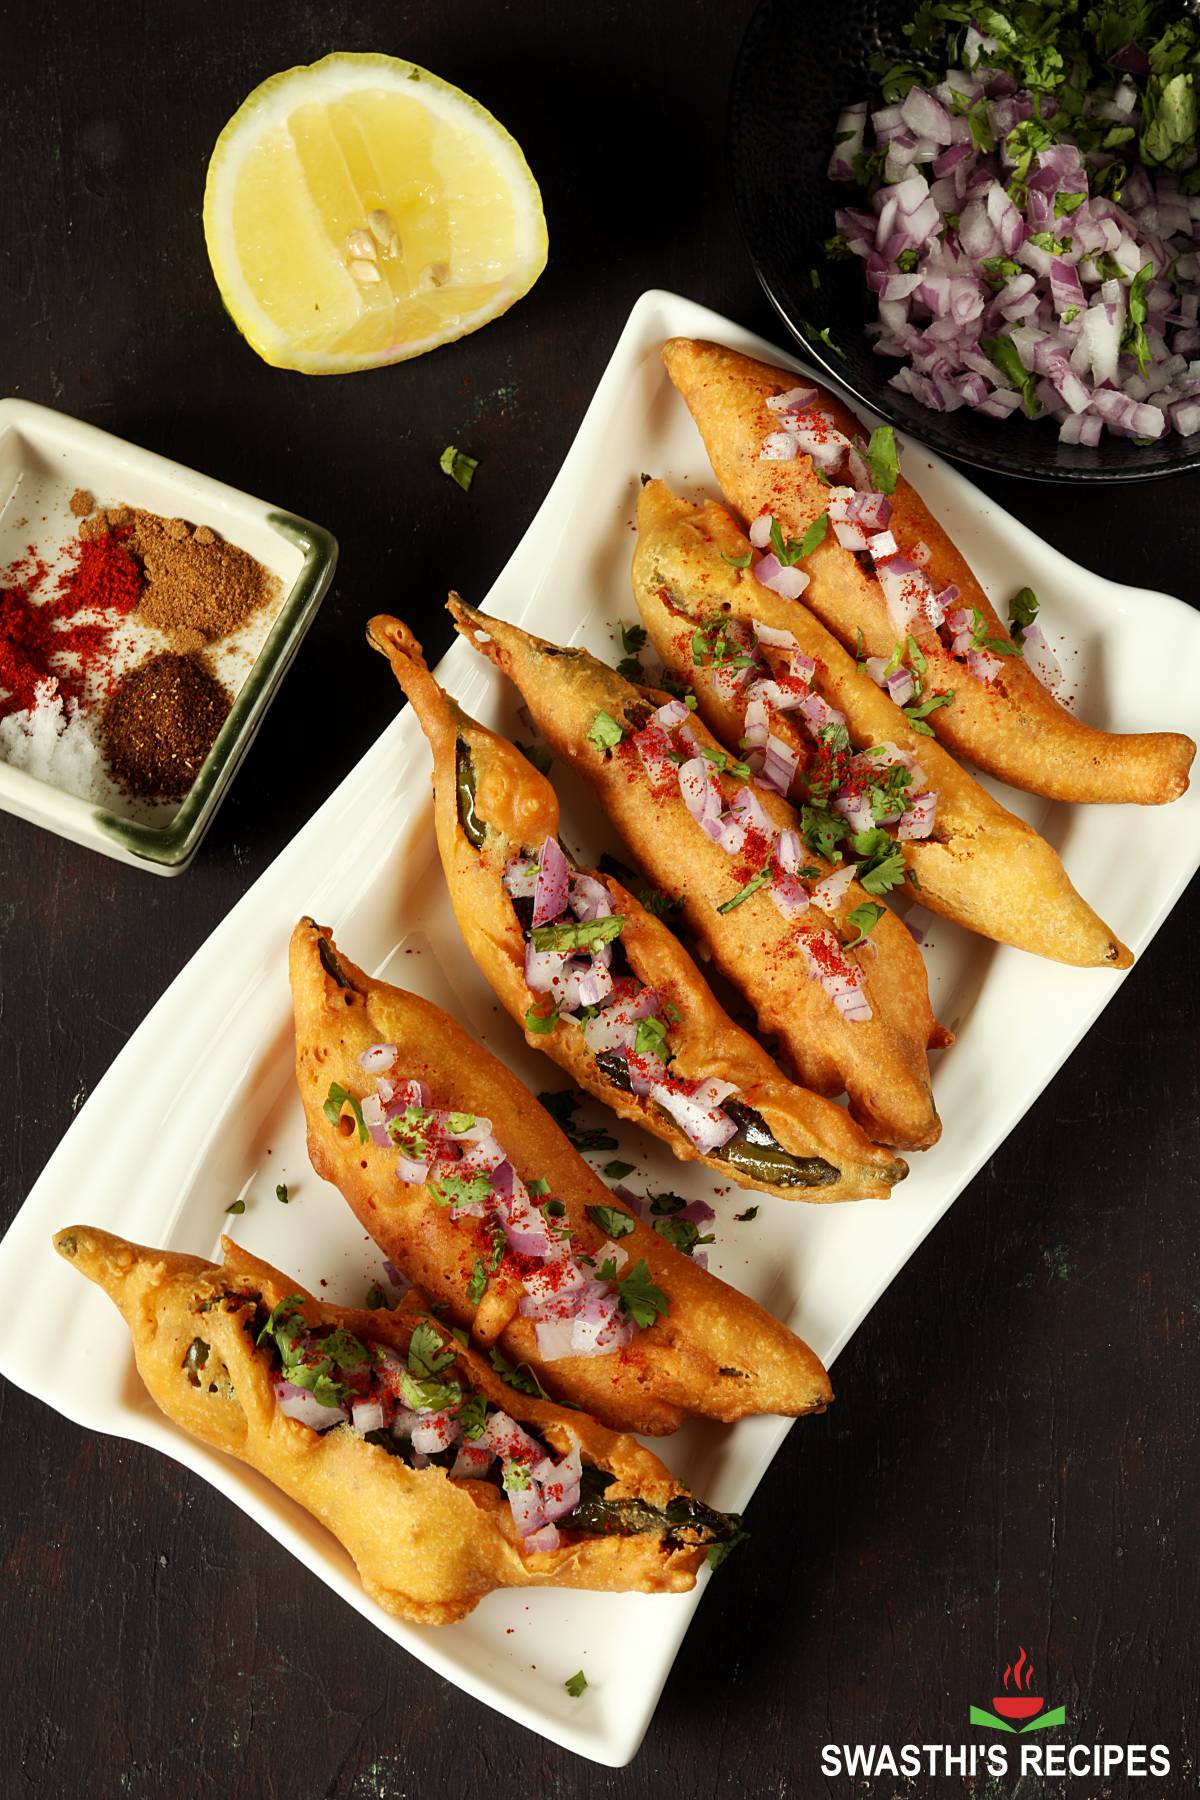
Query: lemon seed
360, 244
364, 271
382, 228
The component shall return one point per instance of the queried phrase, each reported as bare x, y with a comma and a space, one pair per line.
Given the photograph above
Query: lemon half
360, 210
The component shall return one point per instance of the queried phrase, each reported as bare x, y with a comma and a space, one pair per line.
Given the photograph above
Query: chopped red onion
855, 808
378, 1059
299, 1404
774, 637
543, 968
472, 1462
760, 531
701, 1119
520, 878
797, 399
1040, 658
412, 1172
589, 899
790, 896
553, 881
545, 1538
1066, 326
789, 851
779, 766
788, 582
916, 821
555, 1339
899, 685
830, 891
701, 793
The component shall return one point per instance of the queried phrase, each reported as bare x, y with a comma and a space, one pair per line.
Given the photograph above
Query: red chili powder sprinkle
825, 953
756, 847
35, 634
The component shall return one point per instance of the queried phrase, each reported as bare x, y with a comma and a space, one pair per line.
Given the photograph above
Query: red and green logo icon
1017, 1709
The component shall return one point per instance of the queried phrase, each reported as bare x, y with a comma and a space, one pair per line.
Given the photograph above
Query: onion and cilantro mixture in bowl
1032, 217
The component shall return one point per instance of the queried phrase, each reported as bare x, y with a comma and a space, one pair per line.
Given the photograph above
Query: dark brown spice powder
159, 724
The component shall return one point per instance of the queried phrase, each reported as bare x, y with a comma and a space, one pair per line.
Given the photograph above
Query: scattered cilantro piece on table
458, 465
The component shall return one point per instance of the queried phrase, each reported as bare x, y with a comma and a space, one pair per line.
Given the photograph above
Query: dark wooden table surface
1012, 1458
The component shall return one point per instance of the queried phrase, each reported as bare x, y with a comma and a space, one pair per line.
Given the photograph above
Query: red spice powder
825, 953
35, 634
756, 847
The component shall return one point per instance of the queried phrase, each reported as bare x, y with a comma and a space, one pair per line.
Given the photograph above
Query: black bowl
798, 65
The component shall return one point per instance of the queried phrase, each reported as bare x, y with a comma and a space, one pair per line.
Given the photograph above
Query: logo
1018, 1709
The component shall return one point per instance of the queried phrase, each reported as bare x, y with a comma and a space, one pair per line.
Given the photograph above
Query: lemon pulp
361, 211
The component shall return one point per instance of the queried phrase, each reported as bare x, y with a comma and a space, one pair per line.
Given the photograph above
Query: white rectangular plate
200, 1106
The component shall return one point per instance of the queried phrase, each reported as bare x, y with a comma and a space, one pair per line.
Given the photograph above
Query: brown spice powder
198, 587
82, 503
160, 722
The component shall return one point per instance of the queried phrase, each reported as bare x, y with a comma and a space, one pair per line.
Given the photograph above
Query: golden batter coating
716, 1353
427, 1548
881, 1061
1011, 727
982, 866
513, 809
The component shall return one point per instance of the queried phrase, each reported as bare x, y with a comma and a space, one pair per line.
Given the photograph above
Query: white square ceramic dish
44, 457
217, 1115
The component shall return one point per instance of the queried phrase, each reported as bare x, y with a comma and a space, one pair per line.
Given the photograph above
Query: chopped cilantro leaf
864, 919
726, 764
882, 867
640, 1298
823, 831
458, 465
651, 1037
521, 1377
752, 886
980, 640
605, 733
751, 1212
477, 1286
1004, 353
376, 1298
1022, 611
461, 1190
633, 639
611, 1221
577, 934
681, 1234
472, 1416
338, 1098
281, 1193
540, 1022
883, 460
1133, 339
617, 1171
562, 1107
236, 1206
738, 562
575, 1684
